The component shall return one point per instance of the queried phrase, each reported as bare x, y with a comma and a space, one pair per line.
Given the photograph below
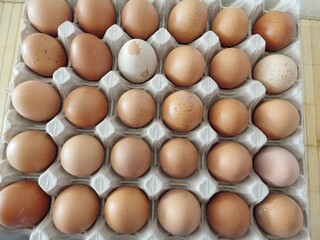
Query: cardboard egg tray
155, 182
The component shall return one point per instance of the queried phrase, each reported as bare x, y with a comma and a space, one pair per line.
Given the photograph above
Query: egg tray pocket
111, 129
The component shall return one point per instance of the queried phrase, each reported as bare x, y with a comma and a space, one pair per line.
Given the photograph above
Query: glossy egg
230, 68
229, 162
85, 107
179, 212
82, 155
277, 118
36, 100
182, 111
279, 215
139, 19
276, 72
95, 17
75, 209
31, 151
90, 57
46, 15
43, 54
277, 28
184, 66
130, 157
229, 117
187, 20
276, 166
136, 108
127, 210
23, 204
231, 26
137, 61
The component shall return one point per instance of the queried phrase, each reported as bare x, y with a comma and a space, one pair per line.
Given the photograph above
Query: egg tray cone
155, 182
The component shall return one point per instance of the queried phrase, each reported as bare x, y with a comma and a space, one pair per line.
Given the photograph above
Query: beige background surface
10, 14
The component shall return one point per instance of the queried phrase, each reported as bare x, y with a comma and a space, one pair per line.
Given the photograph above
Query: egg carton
155, 182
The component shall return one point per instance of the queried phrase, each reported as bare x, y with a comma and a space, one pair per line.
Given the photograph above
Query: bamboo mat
10, 15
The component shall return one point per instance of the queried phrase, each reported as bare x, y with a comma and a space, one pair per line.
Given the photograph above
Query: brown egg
127, 210
43, 54
46, 15
139, 19
187, 20
229, 162
136, 108
178, 158
279, 215
184, 66
36, 100
276, 118
277, 28
86, 106
230, 68
182, 111
179, 212
23, 205
31, 151
95, 17
90, 57
231, 26
82, 155
229, 117
229, 215
75, 209
131, 157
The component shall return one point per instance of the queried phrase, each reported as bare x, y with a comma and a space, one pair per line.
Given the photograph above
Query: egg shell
43, 54
36, 100
75, 209
46, 15
23, 204
137, 61
139, 18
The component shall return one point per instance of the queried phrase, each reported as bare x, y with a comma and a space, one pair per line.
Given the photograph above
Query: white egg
137, 61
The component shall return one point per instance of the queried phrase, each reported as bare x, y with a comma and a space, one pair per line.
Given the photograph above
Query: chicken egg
127, 210
178, 158
276, 72
23, 204
139, 19
229, 117
187, 20
46, 15
276, 118
43, 54
231, 26
131, 157
95, 17
31, 151
277, 28
182, 111
85, 107
82, 155
276, 166
75, 209
230, 68
136, 108
229, 162
90, 57
36, 100
184, 66
179, 212
279, 215
229, 215
137, 61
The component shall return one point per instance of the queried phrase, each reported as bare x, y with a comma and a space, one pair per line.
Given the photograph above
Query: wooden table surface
10, 15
